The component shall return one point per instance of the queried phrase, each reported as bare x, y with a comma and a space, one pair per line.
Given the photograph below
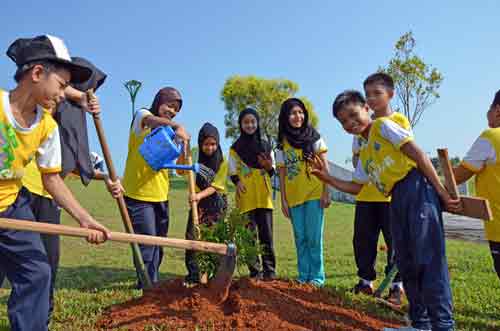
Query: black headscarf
166, 94
213, 161
72, 123
248, 146
302, 138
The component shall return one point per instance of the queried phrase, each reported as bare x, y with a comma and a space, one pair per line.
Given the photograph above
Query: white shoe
406, 328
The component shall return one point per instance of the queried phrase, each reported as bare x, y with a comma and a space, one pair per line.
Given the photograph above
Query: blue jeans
149, 218
307, 221
418, 237
24, 262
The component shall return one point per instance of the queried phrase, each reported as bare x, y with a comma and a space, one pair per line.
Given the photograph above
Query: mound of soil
257, 306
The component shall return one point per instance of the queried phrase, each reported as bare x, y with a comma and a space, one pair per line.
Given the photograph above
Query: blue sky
324, 46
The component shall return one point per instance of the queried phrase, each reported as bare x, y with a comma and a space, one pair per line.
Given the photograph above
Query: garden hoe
218, 287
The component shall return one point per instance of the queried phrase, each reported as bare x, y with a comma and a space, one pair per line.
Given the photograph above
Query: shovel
218, 287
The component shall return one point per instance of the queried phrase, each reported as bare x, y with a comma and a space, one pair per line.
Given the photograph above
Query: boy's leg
384, 214
255, 267
365, 239
143, 219
264, 220
298, 217
428, 235
314, 216
24, 262
45, 210
405, 255
162, 223
495, 254
190, 259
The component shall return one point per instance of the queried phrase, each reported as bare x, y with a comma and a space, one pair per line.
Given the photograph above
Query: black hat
46, 48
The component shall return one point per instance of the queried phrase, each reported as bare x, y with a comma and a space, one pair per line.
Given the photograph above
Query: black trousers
370, 219
261, 220
495, 254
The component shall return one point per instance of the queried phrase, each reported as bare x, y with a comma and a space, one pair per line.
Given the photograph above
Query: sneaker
316, 284
395, 295
256, 276
406, 328
189, 284
362, 288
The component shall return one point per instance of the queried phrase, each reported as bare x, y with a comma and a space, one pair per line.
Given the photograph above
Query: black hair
345, 98
496, 99
48, 66
380, 78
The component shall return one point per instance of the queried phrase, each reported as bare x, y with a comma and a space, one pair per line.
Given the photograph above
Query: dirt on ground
252, 305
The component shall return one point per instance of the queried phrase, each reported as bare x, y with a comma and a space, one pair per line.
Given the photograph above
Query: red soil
257, 306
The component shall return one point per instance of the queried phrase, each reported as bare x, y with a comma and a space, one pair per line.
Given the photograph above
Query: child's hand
265, 161
240, 188
451, 205
95, 237
194, 198
319, 168
181, 133
284, 208
325, 199
115, 188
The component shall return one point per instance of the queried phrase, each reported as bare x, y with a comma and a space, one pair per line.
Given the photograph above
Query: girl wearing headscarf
251, 168
303, 196
209, 193
146, 190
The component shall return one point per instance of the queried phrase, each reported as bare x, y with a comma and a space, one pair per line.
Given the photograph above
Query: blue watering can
160, 150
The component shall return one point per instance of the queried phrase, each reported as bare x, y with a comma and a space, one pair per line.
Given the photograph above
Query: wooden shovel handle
71, 231
191, 186
449, 178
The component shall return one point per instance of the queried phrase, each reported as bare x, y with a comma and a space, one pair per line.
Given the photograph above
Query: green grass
93, 277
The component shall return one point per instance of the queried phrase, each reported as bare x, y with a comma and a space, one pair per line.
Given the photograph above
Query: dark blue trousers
418, 237
24, 262
149, 218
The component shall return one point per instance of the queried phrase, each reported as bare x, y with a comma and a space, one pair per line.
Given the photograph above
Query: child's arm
152, 122
54, 184
320, 170
424, 164
284, 202
233, 175
325, 200
478, 156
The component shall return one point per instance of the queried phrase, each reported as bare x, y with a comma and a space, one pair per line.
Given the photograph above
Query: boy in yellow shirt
27, 132
397, 166
483, 160
372, 212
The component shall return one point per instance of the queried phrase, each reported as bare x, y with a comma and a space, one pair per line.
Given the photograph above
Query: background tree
417, 83
265, 95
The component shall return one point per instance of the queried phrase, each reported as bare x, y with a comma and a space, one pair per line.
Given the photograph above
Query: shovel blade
220, 284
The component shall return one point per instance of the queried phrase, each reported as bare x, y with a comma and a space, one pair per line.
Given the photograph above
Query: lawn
93, 277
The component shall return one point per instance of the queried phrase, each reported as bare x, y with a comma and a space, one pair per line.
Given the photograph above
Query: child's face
249, 124
378, 97
296, 118
169, 110
493, 116
49, 86
209, 146
355, 118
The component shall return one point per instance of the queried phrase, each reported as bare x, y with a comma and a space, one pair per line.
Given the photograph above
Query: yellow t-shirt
300, 186
32, 180
381, 162
484, 160
140, 181
257, 184
19, 145
369, 192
